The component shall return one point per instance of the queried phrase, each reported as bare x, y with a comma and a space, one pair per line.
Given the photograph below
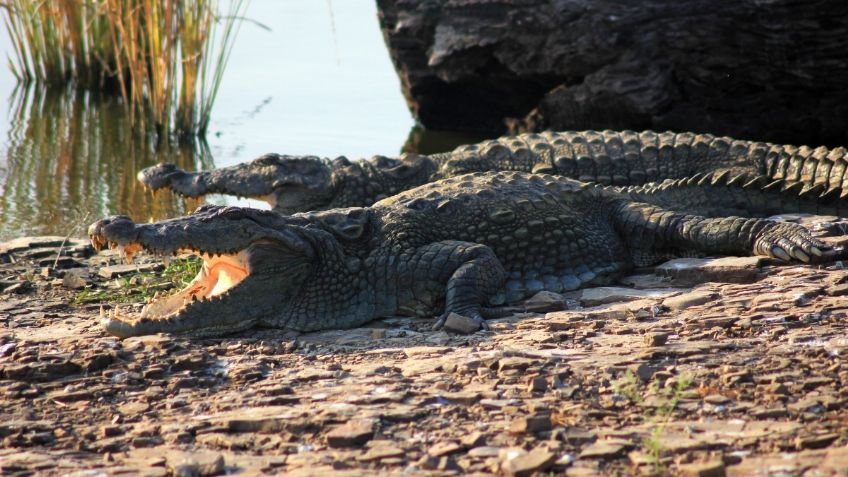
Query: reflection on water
424, 141
72, 158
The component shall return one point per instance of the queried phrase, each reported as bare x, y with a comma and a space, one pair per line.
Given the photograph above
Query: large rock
772, 70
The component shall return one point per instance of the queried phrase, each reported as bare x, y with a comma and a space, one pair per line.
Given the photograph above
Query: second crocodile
302, 183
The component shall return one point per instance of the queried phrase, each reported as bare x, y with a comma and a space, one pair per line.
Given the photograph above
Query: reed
166, 58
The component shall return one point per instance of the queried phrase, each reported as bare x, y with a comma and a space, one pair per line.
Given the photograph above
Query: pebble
461, 324
545, 301
73, 280
656, 339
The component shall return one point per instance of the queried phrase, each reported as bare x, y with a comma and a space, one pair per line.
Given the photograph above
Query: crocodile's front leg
466, 274
647, 227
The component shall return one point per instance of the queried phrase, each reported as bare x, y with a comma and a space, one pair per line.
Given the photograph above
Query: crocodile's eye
232, 213
348, 225
350, 231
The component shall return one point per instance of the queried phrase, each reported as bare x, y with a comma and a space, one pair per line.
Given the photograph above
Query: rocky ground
700, 367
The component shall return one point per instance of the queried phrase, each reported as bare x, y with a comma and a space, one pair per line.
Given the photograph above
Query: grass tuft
140, 287
166, 58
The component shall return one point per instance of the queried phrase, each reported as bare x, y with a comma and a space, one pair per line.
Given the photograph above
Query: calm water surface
320, 82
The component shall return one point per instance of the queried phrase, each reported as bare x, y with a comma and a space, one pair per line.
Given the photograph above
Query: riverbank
698, 367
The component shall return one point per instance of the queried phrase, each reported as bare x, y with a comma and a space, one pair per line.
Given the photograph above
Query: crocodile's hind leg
647, 227
468, 274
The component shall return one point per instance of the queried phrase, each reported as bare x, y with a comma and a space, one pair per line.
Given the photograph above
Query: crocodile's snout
161, 175
119, 228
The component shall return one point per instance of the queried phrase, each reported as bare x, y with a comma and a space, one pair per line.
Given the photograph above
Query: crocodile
459, 245
302, 183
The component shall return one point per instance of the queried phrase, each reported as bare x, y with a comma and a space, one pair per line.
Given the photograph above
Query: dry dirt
698, 367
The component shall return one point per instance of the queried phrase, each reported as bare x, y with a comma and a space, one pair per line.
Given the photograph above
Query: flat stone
717, 399
531, 424
545, 301
17, 287
681, 302
707, 469
352, 433
537, 460
113, 271
25, 243
474, 439
381, 452
837, 290
602, 450
461, 324
816, 441
484, 451
465, 398
515, 362
603, 295
444, 448
564, 320
646, 280
691, 271
133, 408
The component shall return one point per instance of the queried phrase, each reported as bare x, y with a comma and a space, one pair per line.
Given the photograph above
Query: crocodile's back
549, 233
634, 158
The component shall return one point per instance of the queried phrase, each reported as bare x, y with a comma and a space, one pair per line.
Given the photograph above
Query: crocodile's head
289, 183
256, 264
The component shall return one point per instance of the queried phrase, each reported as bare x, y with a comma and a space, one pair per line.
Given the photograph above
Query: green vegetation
628, 386
142, 286
166, 58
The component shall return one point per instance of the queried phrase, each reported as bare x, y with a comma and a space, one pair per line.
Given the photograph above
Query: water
320, 82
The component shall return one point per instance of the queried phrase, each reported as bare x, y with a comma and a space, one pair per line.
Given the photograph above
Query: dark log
761, 69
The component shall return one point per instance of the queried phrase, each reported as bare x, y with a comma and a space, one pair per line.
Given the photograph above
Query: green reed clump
166, 58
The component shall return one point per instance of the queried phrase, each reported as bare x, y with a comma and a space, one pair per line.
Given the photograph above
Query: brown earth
698, 367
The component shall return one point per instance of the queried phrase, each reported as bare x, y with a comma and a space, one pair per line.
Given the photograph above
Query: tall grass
166, 58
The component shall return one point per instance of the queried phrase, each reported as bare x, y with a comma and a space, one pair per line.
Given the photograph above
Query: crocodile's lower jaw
218, 275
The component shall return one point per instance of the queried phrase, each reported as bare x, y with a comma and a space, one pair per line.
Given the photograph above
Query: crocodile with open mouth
459, 245
303, 183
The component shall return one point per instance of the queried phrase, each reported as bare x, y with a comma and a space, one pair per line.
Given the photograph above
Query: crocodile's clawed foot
788, 242
440, 322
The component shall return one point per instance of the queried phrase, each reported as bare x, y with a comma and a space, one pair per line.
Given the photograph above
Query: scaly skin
457, 245
300, 183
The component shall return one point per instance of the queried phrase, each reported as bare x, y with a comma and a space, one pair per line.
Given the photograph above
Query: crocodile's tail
633, 158
722, 194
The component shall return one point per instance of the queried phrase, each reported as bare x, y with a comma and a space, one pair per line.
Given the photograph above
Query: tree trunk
760, 69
